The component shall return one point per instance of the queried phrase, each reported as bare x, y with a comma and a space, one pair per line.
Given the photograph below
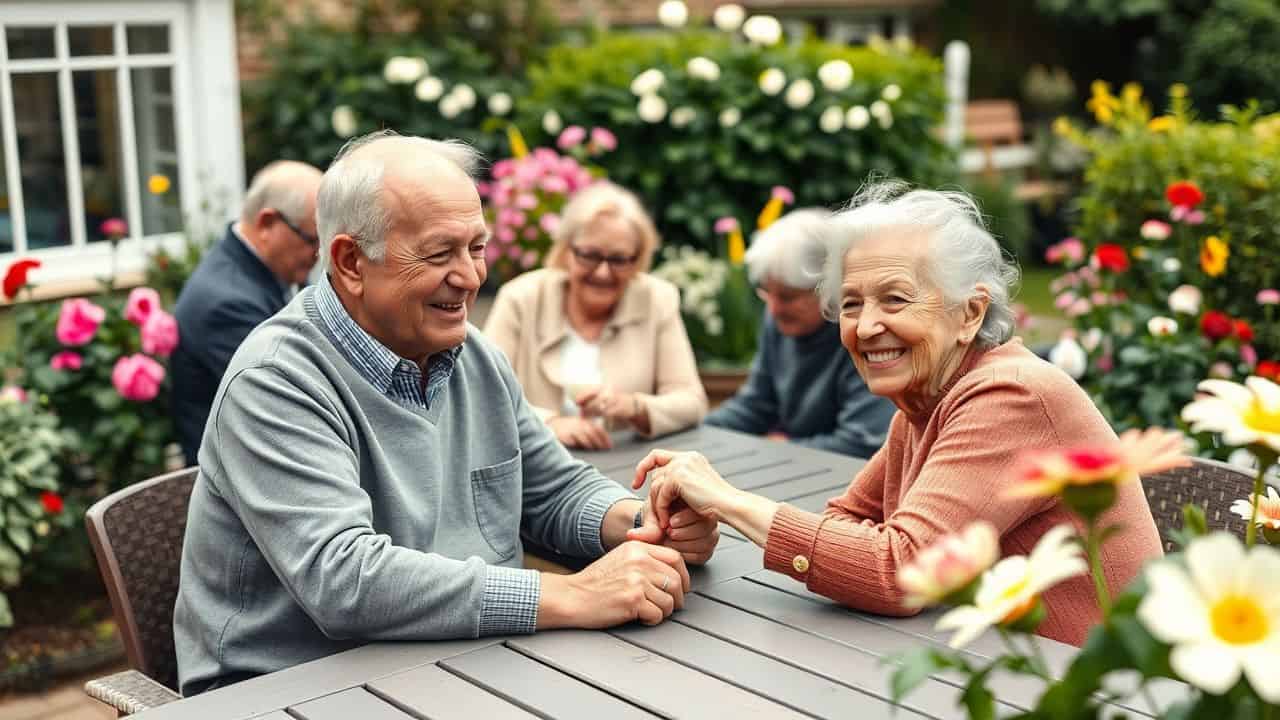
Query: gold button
800, 563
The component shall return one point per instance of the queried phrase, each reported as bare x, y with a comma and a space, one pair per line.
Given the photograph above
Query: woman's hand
606, 402
577, 432
681, 483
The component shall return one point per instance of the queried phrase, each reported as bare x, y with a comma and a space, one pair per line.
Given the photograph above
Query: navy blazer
228, 295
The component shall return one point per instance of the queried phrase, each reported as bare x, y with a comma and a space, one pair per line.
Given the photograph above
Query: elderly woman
922, 291
593, 335
801, 387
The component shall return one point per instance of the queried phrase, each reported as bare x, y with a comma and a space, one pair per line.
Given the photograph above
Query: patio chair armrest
130, 692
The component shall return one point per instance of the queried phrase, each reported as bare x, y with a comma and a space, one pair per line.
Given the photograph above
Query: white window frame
206, 105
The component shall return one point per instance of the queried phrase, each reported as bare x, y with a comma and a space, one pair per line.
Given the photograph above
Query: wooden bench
995, 127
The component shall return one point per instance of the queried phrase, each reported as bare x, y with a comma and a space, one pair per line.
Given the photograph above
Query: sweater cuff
510, 602
591, 517
788, 549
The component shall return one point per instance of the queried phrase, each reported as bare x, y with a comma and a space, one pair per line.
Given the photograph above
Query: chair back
1210, 484
136, 535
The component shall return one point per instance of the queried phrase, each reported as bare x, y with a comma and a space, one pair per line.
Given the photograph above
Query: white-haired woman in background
802, 386
922, 293
593, 335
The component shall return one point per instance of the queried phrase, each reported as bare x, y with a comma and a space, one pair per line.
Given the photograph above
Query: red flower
16, 277
51, 501
1112, 257
1184, 193
1244, 331
1269, 369
1216, 325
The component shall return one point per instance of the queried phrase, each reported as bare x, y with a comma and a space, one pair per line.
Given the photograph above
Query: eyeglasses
782, 298
591, 259
309, 239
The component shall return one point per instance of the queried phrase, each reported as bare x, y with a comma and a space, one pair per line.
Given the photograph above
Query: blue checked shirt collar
393, 376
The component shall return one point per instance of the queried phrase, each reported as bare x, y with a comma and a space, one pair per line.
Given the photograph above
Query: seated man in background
371, 462
802, 386
242, 280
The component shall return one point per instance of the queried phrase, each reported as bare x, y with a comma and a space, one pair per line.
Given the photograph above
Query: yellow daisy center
1022, 608
1259, 419
1238, 620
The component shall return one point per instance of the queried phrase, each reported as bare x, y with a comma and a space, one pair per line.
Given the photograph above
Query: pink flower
571, 137
1249, 356
66, 360
1080, 307
726, 224
554, 184
503, 168
545, 157
1071, 250
528, 260
113, 228
1184, 213
1155, 230
78, 322
1046, 473
782, 193
1065, 300
1062, 282
1088, 274
492, 252
530, 232
12, 393
949, 565
1270, 296
1099, 298
580, 179
514, 252
604, 140
549, 222
526, 201
514, 218
137, 377
142, 302
1221, 369
482, 189
505, 235
1106, 363
160, 334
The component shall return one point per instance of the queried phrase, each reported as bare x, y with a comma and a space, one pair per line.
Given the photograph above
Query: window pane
101, 164
98, 40
29, 43
6, 215
143, 39
42, 159
157, 150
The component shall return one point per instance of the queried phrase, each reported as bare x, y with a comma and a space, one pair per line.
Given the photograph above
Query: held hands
610, 404
634, 581
692, 535
580, 432
683, 479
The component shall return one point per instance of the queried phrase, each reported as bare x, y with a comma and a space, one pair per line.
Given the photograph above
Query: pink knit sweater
948, 466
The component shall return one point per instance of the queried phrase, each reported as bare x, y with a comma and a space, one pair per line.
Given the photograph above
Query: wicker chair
137, 537
1210, 484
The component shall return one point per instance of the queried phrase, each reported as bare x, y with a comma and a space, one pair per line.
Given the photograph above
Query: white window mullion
13, 173
181, 102
70, 141
128, 140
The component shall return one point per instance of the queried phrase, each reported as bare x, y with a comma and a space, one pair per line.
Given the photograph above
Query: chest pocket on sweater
496, 490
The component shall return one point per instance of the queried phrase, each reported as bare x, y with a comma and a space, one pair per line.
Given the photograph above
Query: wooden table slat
275, 715
631, 672
820, 484
816, 502
537, 687
727, 564
762, 477
437, 694
356, 702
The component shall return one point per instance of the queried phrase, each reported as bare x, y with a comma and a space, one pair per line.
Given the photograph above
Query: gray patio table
748, 643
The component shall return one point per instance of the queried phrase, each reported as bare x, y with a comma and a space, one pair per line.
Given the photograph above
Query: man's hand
578, 432
634, 581
692, 535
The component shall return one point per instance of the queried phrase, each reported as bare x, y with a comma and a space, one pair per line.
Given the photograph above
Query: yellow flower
1213, 256
737, 247
158, 184
518, 147
1062, 126
1103, 104
1178, 90
1131, 93
1164, 123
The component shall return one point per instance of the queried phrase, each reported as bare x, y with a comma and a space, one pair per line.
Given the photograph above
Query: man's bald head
279, 218
286, 185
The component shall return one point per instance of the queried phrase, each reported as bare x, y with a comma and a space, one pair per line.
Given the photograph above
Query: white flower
1012, 588
1171, 265
772, 81
799, 94
401, 70
1161, 326
1268, 505
728, 17
450, 107
551, 122
1069, 356
1220, 613
647, 82
500, 103
465, 95
835, 75
1186, 299
831, 120
703, 69
651, 109
891, 92
1092, 339
762, 29
344, 121
715, 325
880, 108
682, 116
1241, 414
857, 117
730, 116
673, 14
429, 89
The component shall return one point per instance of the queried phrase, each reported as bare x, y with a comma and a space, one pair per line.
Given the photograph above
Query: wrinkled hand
578, 432
692, 535
779, 436
685, 479
604, 401
634, 581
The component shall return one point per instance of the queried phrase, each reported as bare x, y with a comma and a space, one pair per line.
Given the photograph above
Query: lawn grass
1047, 322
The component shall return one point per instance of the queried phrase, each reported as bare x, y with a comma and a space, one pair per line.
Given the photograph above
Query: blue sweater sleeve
862, 421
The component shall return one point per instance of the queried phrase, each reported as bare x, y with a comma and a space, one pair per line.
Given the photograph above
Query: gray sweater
327, 514
808, 388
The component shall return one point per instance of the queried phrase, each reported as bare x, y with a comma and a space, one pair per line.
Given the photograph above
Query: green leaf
6, 614
1193, 520
20, 537
916, 666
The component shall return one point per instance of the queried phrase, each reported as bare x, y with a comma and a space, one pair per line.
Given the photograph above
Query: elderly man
243, 280
371, 463
802, 386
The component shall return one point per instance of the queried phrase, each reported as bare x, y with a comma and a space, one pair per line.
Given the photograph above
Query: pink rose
160, 334
13, 393
142, 301
78, 322
554, 184
549, 222
503, 168
1155, 230
1270, 296
66, 360
571, 137
137, 377
604, 140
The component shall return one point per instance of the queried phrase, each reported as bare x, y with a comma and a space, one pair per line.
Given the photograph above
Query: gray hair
777, 252
350, 197
275, 186
603, 198
961, 256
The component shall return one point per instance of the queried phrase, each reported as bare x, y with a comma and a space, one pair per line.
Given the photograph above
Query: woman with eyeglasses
597, 342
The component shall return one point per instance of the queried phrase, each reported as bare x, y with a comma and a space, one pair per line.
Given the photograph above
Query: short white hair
777, 252
350, 197
275, 186
962, 254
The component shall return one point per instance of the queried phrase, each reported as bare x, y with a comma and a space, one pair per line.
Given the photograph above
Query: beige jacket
644, 348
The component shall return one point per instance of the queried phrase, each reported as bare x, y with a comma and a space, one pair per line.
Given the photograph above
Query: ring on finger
666, 580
